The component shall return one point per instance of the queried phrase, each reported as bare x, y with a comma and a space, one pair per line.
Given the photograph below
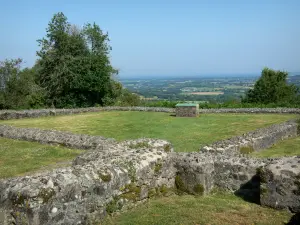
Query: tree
9, 69
128, 99
74, 65
271, 87
18, 87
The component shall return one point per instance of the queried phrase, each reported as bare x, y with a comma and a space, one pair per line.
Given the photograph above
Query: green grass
186, 134
217, 209
20, 157
289, 147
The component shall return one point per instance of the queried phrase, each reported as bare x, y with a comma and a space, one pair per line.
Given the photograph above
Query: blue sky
168, 37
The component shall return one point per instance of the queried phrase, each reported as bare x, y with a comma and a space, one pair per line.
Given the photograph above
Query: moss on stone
166, 191
261, 174
139, 145
18, 199
131, 171
199, 189
152, 193
129, 166
157, 167
129, 196
132, 192
105, 177
298, 126
167, 148
113, 205
179, 184
46, 194
246, 149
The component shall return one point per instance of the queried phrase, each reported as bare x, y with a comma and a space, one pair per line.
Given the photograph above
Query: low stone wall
99, 182
256, 140
111, 175
252, 110
79, 141
16, 114
187, 111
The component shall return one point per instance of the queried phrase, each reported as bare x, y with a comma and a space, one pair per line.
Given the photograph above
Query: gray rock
280, 184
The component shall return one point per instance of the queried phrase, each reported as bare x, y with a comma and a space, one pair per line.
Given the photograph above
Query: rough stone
77, 194
112, 176
280, 184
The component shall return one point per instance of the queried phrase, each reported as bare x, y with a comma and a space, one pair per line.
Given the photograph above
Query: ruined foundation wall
111, 175
19, 114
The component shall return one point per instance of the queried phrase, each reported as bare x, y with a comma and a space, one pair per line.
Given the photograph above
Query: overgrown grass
186, 134
21, 157
289, 147
217, 209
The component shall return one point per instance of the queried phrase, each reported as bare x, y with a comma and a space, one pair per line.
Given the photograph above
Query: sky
168, 38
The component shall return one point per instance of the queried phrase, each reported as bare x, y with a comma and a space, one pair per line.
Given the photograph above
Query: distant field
216, 209
186, 134
207, 93
203, 93
236, 87
20, 157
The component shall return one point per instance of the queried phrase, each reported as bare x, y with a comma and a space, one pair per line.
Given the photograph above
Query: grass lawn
186, 134
217, 209
289, 147
20, 157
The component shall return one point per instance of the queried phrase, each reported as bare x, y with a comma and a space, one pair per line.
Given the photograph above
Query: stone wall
256, 140
79, 141
18, 114
111, 176
98, 182
252, 110
187, 111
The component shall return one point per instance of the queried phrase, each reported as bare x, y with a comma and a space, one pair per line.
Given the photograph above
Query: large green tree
272, 87
74, 65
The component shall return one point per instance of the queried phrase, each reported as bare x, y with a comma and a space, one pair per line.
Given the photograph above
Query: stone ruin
187, 110
112, 176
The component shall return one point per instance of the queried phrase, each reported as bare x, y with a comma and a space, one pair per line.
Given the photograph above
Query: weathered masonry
187, 110
114, 176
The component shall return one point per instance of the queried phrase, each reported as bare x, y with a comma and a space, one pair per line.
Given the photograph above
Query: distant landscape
202, 89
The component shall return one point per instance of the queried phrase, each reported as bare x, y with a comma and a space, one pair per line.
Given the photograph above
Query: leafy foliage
18, 87
271, 87
74, 65
127, 98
